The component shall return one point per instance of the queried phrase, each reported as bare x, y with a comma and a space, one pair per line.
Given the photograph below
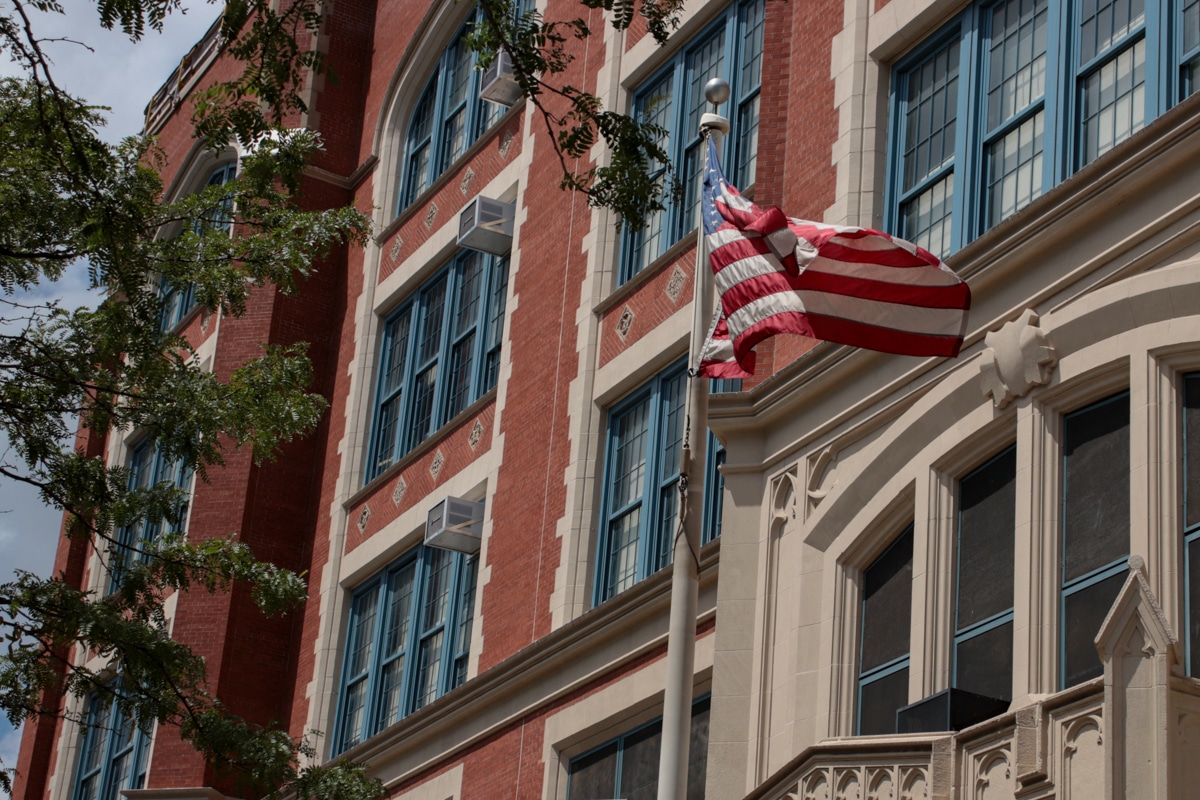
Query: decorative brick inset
675, 284
363, 517
436, 465
506, 143
430, 215
464, 185
476, 434
394, 253
625, 323
398, 492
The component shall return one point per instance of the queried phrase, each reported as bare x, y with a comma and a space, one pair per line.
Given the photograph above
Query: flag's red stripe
953, 296
891, 257
842, 331
747, 291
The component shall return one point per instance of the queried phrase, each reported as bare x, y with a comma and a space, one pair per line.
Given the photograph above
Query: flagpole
685, 570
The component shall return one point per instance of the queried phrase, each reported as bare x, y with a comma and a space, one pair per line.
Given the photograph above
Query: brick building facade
1047, 148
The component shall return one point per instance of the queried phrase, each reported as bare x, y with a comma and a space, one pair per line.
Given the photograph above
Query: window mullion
964, 165
647, 541
450, 625
436, 143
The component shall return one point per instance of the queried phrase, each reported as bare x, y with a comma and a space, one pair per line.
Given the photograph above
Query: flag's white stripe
745, 269
909, 319
762, 264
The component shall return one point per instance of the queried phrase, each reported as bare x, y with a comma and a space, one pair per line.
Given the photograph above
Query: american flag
848, 285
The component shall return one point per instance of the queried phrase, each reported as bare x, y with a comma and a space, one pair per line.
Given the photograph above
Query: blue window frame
884, 638
1191, 521
1095, 529
641, 480
112, 755
408, 641
448, 118
627, 766
148, 467
177, 301
441, 352
673, 98
983, 628
1014, 96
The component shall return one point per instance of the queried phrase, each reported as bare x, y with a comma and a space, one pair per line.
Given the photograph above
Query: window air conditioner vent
487, 225
498, 84
455, 524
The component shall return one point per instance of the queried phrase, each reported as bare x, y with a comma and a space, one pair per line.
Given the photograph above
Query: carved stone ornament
506, 143
675, 284
625, 323
436, 465
364, 516
1018, 357
464, 185
398, 492
430, 215
822, 476
475, 435
394, 253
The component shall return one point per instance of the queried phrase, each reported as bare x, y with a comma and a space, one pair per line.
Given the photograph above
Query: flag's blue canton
713, 179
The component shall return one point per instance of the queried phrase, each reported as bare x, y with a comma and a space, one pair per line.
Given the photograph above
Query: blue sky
122, 76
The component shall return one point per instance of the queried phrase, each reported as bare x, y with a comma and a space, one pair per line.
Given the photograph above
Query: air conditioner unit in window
455, 524
949, 710
487, 225
498, 85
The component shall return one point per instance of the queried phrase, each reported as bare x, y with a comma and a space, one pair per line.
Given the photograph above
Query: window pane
623, 547
887, 604
1015, 169
931, 110
1191, 449
986, 536
1083, 612
704, 63
878, 702
1095, 486
1113, 102
983, 663
594, 776
639, 763
629, 464
1017, 58
1104, 23
925, 220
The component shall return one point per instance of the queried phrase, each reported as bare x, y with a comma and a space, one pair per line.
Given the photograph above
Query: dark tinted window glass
1193, 601
1095, 486
1191, 447
639, 763
987, 519
879, 700
983, 663
887, 604
698, 752
593, 777
1083, 613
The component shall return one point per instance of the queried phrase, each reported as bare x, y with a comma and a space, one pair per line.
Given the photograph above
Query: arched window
177, 301
447, 119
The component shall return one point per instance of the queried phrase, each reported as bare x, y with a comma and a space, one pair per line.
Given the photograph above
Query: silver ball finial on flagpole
716, 91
